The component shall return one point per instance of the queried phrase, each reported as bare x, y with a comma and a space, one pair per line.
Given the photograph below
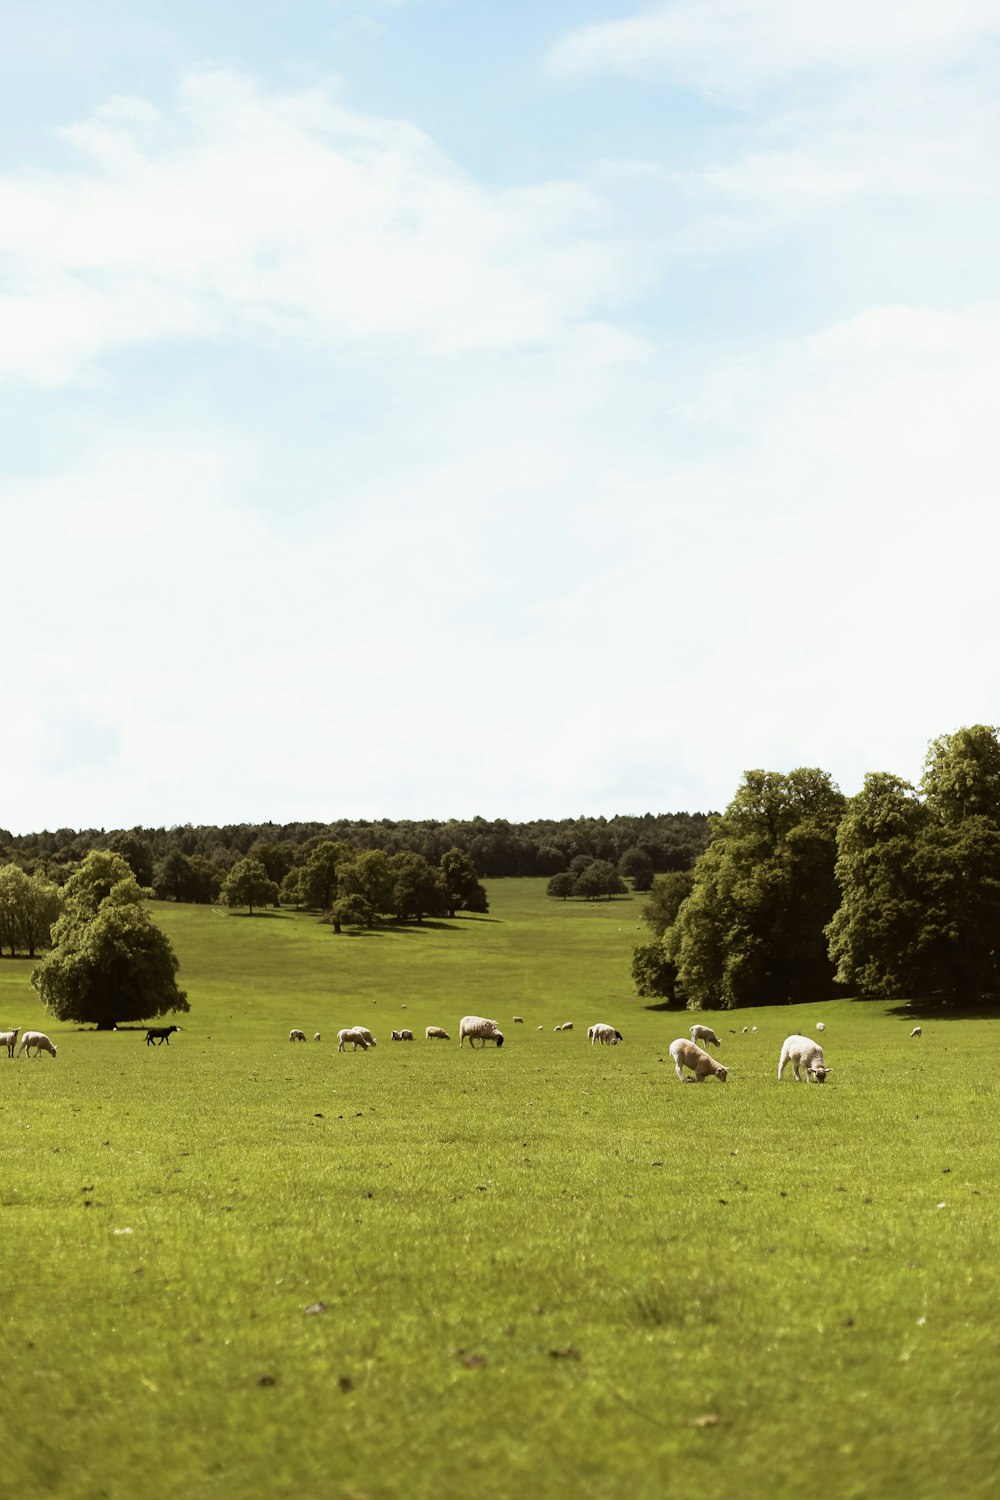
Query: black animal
159, 1034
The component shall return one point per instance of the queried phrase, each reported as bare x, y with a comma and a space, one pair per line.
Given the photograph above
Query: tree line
497, 848
803, 893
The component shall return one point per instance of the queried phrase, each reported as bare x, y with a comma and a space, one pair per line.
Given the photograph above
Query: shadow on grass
678, 1010
272, 916
933, 1009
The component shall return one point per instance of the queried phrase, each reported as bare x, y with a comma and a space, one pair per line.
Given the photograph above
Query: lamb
917, 1031
315, 1036
39, 1041
805, 1056
566, 1026
518, 1020
160, 1034
351, 1034
9, 1039
820, 1025
296, 1036
402, 1036
606, 1035
436, 1033
689, 1055
363, 1031
479, 1026
705, 1034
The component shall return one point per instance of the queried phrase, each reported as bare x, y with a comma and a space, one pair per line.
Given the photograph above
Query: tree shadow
932, 1008
273, 916
678, 1010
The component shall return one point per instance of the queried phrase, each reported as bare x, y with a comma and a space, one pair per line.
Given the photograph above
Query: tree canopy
109, 961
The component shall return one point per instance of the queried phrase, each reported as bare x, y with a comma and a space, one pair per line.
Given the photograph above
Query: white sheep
363, 1031
603, 1033
295, 1035
315, 1036
479, 1026
805, 1056
436, 1033
917, 1031
402, 1036
8, 1039
689, 1055
566, 1026
753, 1030
705, 1034
542, 1028
745, 1030
351, 1034
39, 1041
820, 1025
518, 1020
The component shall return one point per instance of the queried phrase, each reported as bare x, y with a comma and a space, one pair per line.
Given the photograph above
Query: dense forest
804, 893
664, 841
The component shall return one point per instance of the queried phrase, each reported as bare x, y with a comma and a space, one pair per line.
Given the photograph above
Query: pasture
233, 1266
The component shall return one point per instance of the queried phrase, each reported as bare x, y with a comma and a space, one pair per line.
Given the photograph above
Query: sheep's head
499, 1038
619, 1037
721, 1072
819, 1073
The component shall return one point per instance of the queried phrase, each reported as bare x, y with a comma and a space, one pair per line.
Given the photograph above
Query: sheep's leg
680, 1072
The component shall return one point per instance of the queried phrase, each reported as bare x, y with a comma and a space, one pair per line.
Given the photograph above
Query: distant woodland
190, 863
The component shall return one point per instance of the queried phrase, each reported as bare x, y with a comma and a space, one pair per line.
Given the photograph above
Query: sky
431, 408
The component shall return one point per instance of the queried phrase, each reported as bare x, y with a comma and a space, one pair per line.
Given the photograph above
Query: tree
418, 889
29, 905
351, 911
318, 880
136, 853
655, 977
247, 884
465, 893
666, 897
874, 933
109, 961
636, 865
368, 875
751, 932
962, 774
600, 878
561, 885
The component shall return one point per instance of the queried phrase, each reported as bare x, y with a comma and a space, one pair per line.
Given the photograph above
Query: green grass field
239, 1267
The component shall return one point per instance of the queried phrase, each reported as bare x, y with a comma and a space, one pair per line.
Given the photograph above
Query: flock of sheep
804, 1054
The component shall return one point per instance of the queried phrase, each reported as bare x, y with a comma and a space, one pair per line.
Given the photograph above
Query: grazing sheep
436, 1033
603, 1033
9, 1039
351, 1034
566, 1026
805, 1056
363, 1031
315, 1036
541, 1028
296, 1036
820, 1025
705, 1034
39, 1041
745, 1030
161, 1034
402, 1036
753, 1030
479, 1026
917, 1031
518, 1020
689, 1055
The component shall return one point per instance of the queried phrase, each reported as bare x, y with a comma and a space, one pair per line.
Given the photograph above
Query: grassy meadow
238, 1267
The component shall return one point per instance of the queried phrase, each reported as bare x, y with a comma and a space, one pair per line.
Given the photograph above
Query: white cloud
729, 46
291, 217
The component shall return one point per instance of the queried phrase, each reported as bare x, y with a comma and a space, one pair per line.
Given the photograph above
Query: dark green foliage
351, 911
636, 865
599, 878
920, 881
247, 884
751, 932
368, 876
561, 885
666, 897
109, 961
318, 876
465, 893
29, 905
137, 854
655, 977
418, 890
